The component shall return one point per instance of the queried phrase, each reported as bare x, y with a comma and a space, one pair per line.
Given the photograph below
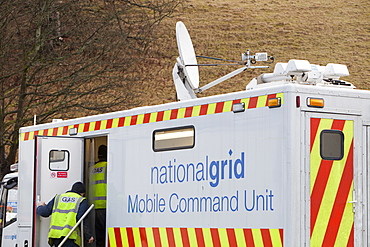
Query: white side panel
232, 178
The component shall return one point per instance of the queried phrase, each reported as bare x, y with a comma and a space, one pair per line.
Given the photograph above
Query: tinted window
332, 144
174, 138
59, 160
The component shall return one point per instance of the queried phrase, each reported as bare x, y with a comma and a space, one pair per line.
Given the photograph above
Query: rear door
59, 164
331, 179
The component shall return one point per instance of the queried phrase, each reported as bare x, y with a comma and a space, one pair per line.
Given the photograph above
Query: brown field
319, 31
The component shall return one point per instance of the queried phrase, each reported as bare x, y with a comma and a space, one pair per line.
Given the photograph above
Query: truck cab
8, 209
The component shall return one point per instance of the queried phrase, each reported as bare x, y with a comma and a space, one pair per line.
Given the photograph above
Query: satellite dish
187, 54
186, 74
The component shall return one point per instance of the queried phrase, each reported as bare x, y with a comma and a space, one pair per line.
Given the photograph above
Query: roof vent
335, 71
297, 67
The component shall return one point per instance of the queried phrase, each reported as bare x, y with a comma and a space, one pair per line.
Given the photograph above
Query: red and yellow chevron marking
186, 112
194, 237
331, 188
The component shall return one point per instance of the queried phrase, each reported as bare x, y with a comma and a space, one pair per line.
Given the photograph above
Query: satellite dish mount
185, 72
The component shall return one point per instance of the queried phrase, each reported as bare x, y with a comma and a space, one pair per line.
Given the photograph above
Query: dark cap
78, 187
102, 152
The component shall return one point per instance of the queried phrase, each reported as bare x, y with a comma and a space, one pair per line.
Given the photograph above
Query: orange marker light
315, 102
274, 102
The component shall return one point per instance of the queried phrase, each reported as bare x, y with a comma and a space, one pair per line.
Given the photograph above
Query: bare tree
68, 58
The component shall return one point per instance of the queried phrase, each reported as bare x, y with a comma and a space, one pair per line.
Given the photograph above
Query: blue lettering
179, 173
154, 174
179, 204
173, 208
11, 237
67, 199
145, 204
212, 170
200, 172
259, 202
132, 206
98, 170
214, 173
163, 177
239, 165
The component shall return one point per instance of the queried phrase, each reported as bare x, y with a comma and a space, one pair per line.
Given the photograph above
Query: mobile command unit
283, 163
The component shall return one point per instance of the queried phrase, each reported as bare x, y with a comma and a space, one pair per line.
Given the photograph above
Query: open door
59, 164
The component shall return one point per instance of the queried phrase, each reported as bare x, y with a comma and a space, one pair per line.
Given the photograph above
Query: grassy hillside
319, 31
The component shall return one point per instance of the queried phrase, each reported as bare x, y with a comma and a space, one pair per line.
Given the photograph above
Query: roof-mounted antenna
185, 72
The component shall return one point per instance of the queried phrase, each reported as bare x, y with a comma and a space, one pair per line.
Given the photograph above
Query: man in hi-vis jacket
65, 210
99, 188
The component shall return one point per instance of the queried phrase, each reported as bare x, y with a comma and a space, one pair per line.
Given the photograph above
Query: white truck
9, 208
283, 163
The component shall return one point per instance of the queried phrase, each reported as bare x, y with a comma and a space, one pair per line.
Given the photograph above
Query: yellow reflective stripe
192, 237
70, 127
257, 236
125, 123
166, 115
112, 237
315, 152
261, 102
332, 186
92, 126
177, 237
345, 227
332, 189
124, 236
115, 122
149, 236
348, 133
246, 102
60, 131
327, 203
181, 113
207, 237
281, 96
196, 111
224, 239
239, 235
275, 238
132, 236
137, 238
324, 211
80, 128
103, 124
140, 119
211, 108
163, 236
